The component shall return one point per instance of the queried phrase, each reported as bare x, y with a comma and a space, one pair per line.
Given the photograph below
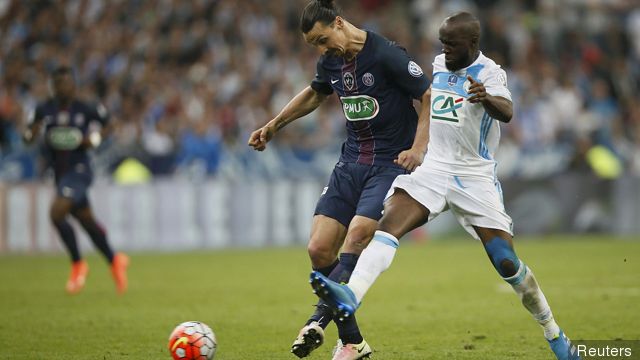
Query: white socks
375, 259
526, 286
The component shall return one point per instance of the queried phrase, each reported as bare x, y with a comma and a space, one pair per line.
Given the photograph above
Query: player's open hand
259, 138
410, 159
478, 91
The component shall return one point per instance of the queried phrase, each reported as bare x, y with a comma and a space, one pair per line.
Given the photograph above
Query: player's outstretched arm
31, 133
412, 158
34, 126
302, 104
497, 107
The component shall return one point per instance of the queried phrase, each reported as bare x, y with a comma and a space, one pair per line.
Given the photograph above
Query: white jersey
463, 138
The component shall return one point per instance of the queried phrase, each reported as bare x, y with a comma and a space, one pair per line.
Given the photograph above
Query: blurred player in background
376, 82
469, 92
70, 128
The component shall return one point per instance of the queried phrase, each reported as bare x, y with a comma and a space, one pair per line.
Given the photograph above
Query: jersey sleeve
403, 71
320, 83
496, 83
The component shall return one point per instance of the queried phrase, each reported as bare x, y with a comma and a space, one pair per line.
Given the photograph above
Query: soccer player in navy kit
376, 82
69, 128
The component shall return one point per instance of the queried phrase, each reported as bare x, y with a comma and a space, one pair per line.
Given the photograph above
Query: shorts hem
334, 218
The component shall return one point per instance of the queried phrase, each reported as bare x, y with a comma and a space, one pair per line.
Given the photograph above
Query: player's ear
338, 22
475, 42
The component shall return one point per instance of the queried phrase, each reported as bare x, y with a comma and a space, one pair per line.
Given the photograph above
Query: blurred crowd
187, 81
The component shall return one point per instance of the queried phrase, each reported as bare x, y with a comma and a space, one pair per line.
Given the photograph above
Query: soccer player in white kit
469, 96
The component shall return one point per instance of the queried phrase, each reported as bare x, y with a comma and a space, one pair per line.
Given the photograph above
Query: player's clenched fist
410, 159
259, 138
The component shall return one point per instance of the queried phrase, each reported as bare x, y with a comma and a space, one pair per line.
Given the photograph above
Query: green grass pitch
439, 300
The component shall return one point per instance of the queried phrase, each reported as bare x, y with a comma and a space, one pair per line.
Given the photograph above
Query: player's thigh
375, 185
74, 186
83, 213
327, 236
60, 208
340, 197
361, 230
477, 204
402, 213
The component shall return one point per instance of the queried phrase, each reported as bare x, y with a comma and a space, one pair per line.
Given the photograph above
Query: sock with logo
526, 286
374, 260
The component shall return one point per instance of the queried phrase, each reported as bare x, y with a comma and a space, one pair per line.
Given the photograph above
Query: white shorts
475, 201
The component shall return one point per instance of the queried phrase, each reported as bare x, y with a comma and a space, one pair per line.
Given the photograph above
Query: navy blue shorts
74, 186
356, 189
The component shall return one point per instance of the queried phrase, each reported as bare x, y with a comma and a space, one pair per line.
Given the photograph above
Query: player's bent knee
387, 225
57, 216
358, 239
321, 255
508, 268
502, 256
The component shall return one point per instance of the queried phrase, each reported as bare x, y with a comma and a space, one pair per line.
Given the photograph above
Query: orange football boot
119, 272
79, 270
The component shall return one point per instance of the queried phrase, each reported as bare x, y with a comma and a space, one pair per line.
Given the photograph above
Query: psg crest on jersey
367, 79
349, 80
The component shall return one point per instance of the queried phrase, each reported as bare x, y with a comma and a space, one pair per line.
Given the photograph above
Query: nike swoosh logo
334, 81
182, 340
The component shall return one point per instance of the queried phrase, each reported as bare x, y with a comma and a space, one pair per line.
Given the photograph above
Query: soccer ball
192, 340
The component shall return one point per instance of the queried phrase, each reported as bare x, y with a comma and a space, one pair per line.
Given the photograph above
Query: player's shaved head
460, 37
465, 22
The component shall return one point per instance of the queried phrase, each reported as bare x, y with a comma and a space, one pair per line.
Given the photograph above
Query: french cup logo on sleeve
414, 69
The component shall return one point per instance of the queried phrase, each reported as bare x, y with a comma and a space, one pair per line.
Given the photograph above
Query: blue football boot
563, 349
339, 297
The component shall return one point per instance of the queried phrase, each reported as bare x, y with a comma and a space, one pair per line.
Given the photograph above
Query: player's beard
456, 64
335, 52
461, 61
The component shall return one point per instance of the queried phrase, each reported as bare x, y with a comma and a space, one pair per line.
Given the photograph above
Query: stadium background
187, 81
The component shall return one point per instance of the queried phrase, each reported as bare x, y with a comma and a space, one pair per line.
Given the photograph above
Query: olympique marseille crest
349, 80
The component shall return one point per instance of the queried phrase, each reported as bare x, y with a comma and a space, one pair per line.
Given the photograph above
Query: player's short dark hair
324, 11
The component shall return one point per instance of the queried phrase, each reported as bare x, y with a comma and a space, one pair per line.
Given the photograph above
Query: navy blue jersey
64, 130
376, 90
